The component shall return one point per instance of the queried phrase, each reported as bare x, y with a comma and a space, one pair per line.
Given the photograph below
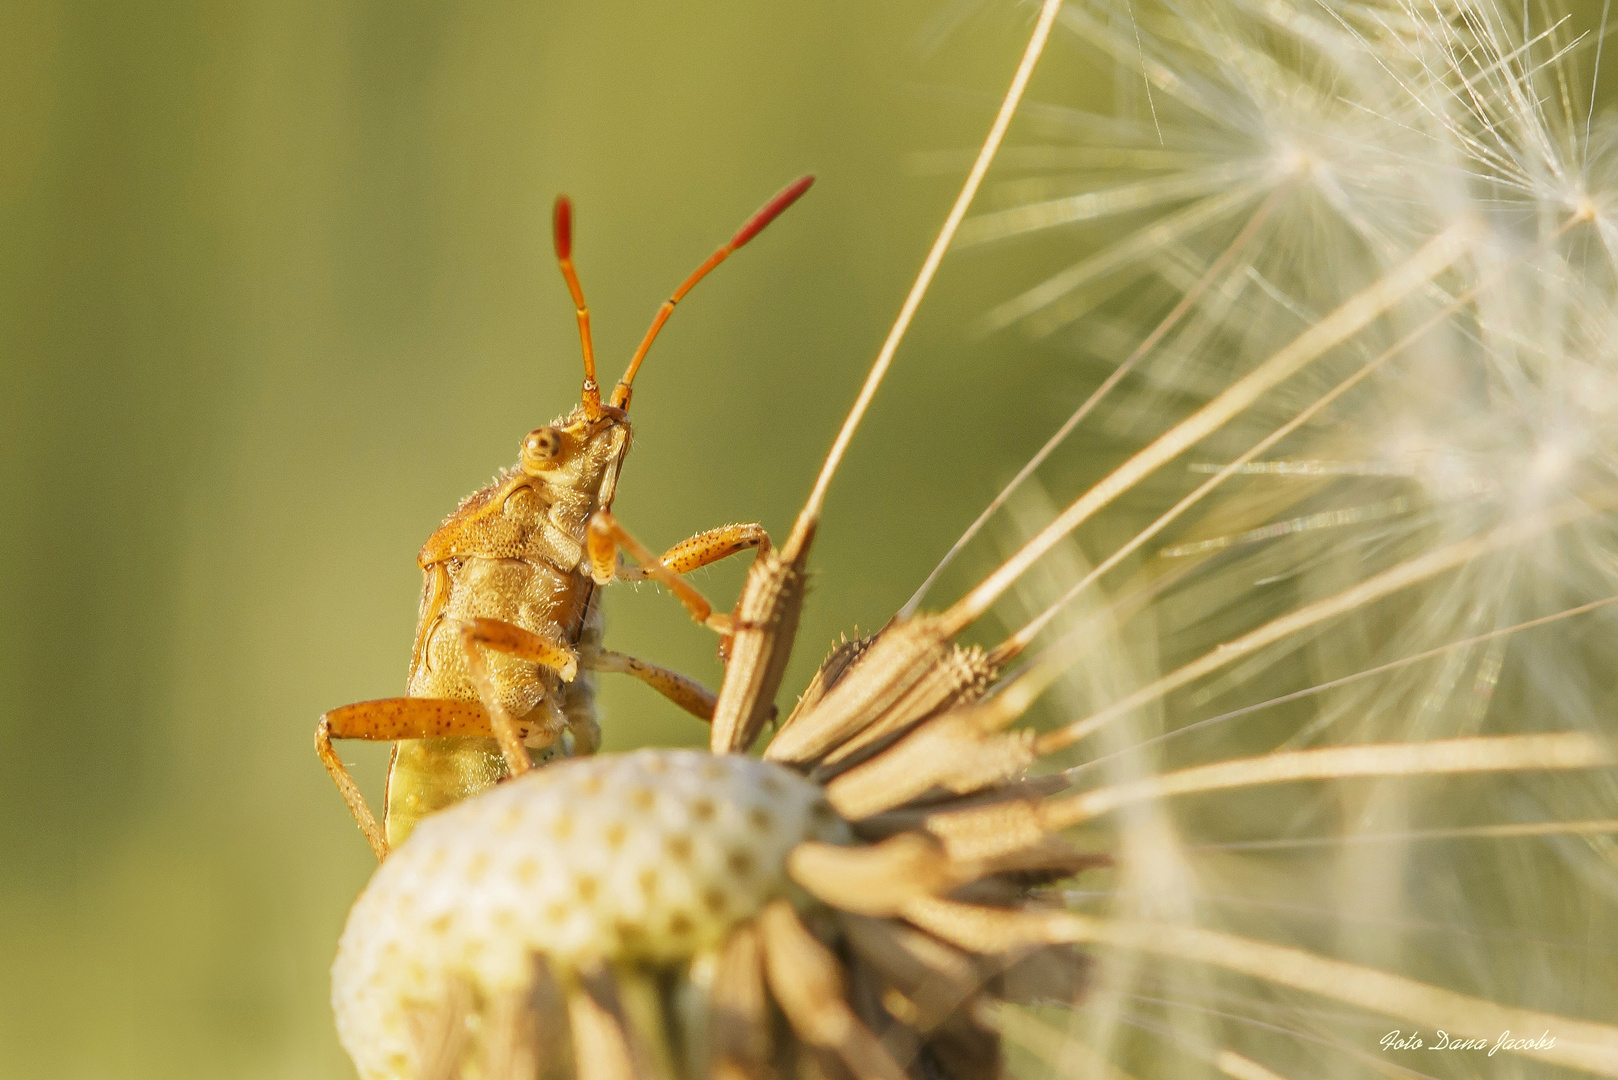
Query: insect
510, 627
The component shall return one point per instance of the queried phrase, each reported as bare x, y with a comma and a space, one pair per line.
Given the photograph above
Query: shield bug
510, 627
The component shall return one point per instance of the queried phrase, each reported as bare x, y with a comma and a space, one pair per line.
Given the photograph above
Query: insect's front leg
513, 640
605, 536
602, 541
703, 549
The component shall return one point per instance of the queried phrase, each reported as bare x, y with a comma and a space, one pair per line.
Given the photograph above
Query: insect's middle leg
688, 694
606, 536
515, 641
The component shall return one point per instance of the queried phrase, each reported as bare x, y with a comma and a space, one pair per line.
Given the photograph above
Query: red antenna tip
562, 227
771, 211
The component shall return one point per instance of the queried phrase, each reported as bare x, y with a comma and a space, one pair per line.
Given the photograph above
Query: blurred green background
276, 290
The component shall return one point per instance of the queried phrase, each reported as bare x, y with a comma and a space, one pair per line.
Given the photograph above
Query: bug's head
596, 434
581, 451
575, 447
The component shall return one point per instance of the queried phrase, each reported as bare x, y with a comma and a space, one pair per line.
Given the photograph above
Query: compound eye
540, 448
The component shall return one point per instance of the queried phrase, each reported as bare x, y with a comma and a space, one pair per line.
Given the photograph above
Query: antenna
562, 232
755, 225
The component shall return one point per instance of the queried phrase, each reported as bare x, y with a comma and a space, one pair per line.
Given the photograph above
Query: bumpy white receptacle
648, 856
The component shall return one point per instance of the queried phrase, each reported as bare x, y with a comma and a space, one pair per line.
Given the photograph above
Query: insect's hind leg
388, 720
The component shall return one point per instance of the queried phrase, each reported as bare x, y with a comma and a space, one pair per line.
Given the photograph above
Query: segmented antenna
755, 225
562, 231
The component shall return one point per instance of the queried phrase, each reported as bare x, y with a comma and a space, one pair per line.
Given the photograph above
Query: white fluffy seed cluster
646, 856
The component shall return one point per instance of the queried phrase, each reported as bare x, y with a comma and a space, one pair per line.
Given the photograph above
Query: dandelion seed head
1293, 161
646, 856
1552, 461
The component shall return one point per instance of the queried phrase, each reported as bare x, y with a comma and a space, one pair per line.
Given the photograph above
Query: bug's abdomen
539, 598
427, 775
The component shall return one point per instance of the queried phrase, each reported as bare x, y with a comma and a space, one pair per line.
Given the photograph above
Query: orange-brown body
512, 551
510, 622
